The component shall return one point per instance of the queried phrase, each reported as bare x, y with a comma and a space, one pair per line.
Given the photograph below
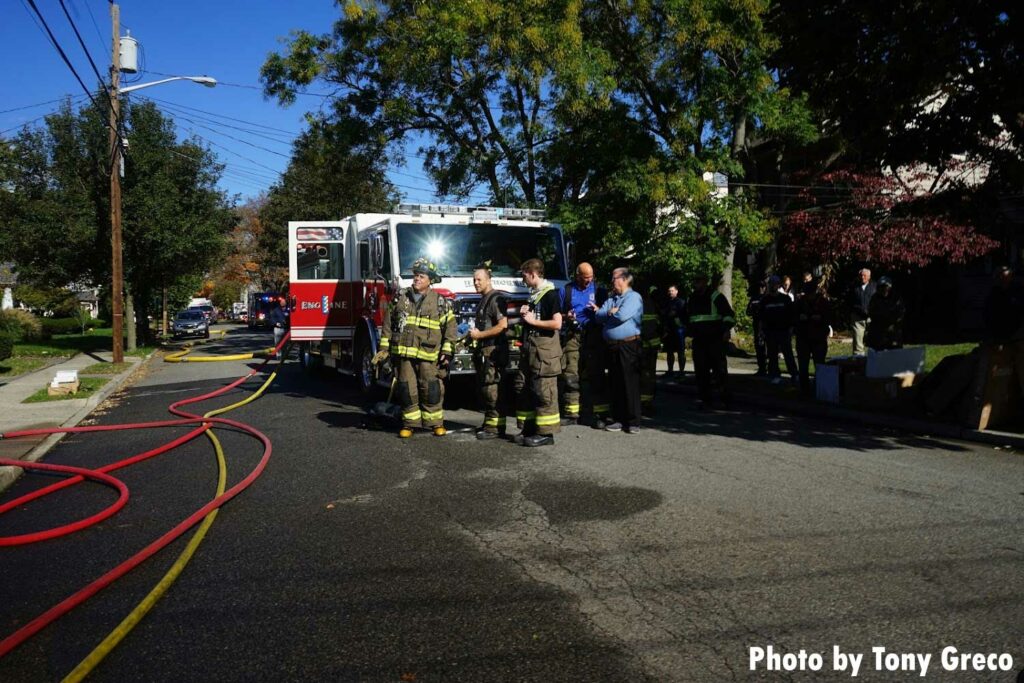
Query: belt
615, 342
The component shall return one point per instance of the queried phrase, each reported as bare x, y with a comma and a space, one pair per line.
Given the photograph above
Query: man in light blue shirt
621, 316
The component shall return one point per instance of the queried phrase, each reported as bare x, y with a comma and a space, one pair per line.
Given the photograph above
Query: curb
922, 428
8, 475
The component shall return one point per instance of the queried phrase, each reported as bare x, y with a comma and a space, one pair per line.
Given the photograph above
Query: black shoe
538, 440
613, 427
519, 439
485, 435
632, 429
569, 421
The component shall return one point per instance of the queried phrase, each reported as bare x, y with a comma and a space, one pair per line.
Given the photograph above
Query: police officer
540, 364
419, 334
582, 346
710, 319
650, 341
490, 355
778, 314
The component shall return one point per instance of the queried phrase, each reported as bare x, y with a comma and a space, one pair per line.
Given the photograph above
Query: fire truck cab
343, 273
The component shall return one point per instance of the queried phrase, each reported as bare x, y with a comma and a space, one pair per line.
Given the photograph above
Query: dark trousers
675, 343
709, 364
810, 346
624, 367
760, 347
780, 341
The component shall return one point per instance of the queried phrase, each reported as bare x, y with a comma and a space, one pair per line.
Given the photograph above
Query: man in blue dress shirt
621, 315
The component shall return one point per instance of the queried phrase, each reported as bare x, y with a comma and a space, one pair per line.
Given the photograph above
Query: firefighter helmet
422, 265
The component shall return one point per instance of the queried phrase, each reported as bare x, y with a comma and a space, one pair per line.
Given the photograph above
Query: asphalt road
661, 556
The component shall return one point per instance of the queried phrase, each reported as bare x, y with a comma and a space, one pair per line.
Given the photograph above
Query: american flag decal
319, 234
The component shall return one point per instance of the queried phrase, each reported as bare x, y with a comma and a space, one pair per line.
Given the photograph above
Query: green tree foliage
58, 301
336, 169
904, 83
57, 216
609, 112
475, 79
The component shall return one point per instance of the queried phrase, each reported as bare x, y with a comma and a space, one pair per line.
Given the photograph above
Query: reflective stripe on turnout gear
548, 420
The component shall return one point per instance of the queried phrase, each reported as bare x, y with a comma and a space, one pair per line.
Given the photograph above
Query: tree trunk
739, 139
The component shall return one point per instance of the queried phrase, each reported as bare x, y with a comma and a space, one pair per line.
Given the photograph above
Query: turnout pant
709, 364
624, 369
420, 393
570, 378
489, 383
595, 362
536, 385
810, 346
780, 341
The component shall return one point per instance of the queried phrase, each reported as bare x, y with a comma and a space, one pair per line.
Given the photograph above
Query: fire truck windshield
456, 249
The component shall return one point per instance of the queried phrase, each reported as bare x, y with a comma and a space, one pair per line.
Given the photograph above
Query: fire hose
206, 514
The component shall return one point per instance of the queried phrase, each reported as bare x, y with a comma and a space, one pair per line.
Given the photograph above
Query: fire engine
343, 274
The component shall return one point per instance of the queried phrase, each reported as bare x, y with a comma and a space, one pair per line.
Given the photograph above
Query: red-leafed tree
898, 221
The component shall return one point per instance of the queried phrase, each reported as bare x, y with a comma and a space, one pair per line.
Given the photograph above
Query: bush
6, 346
740, 299
22, 325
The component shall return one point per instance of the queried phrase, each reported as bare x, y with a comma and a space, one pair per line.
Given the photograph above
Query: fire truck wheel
365, 375
309, 361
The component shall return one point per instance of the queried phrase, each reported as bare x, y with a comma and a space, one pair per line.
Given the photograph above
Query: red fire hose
80, 474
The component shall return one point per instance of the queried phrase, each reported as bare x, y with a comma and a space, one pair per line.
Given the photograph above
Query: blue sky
226, 39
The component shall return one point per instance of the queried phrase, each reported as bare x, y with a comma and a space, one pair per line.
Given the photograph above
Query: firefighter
490, 353
419, 335
710, 319
650, 341
582, 348
540, 364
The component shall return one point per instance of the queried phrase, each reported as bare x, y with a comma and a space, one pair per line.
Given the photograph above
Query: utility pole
117, 276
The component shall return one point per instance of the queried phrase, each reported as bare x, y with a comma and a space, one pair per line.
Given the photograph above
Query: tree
902, 84
57, 226
475, 78
335, 170
59, 301
874, 218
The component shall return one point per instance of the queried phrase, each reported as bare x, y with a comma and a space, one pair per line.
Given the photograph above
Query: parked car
190, 323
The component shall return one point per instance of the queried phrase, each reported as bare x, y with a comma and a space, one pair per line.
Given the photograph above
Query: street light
201, 80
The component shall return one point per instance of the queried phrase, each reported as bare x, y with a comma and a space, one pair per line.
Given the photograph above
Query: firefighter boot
440, 430
404, 433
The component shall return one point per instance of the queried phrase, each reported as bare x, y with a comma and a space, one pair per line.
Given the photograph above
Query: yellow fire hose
135, 616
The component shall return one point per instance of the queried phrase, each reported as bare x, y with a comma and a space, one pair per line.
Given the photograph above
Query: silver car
190, 323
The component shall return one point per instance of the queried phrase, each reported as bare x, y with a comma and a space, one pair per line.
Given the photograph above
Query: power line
99, 34
63, 56
40, 104
229, 118
254, 87
180, 112
85, 49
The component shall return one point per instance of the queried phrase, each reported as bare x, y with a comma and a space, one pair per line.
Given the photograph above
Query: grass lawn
87, 387
104, 368
19, 365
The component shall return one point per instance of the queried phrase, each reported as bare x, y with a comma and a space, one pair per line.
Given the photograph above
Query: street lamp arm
201, 80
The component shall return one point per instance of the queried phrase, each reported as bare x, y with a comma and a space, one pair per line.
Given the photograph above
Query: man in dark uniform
710, 319
754, 311
419, 335
541, 360
778, 314
490, 355
673, 315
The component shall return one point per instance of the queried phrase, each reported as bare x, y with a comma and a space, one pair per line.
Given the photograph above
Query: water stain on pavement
579, 501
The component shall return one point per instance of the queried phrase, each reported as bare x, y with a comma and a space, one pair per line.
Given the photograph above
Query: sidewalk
774, 399
15, 415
